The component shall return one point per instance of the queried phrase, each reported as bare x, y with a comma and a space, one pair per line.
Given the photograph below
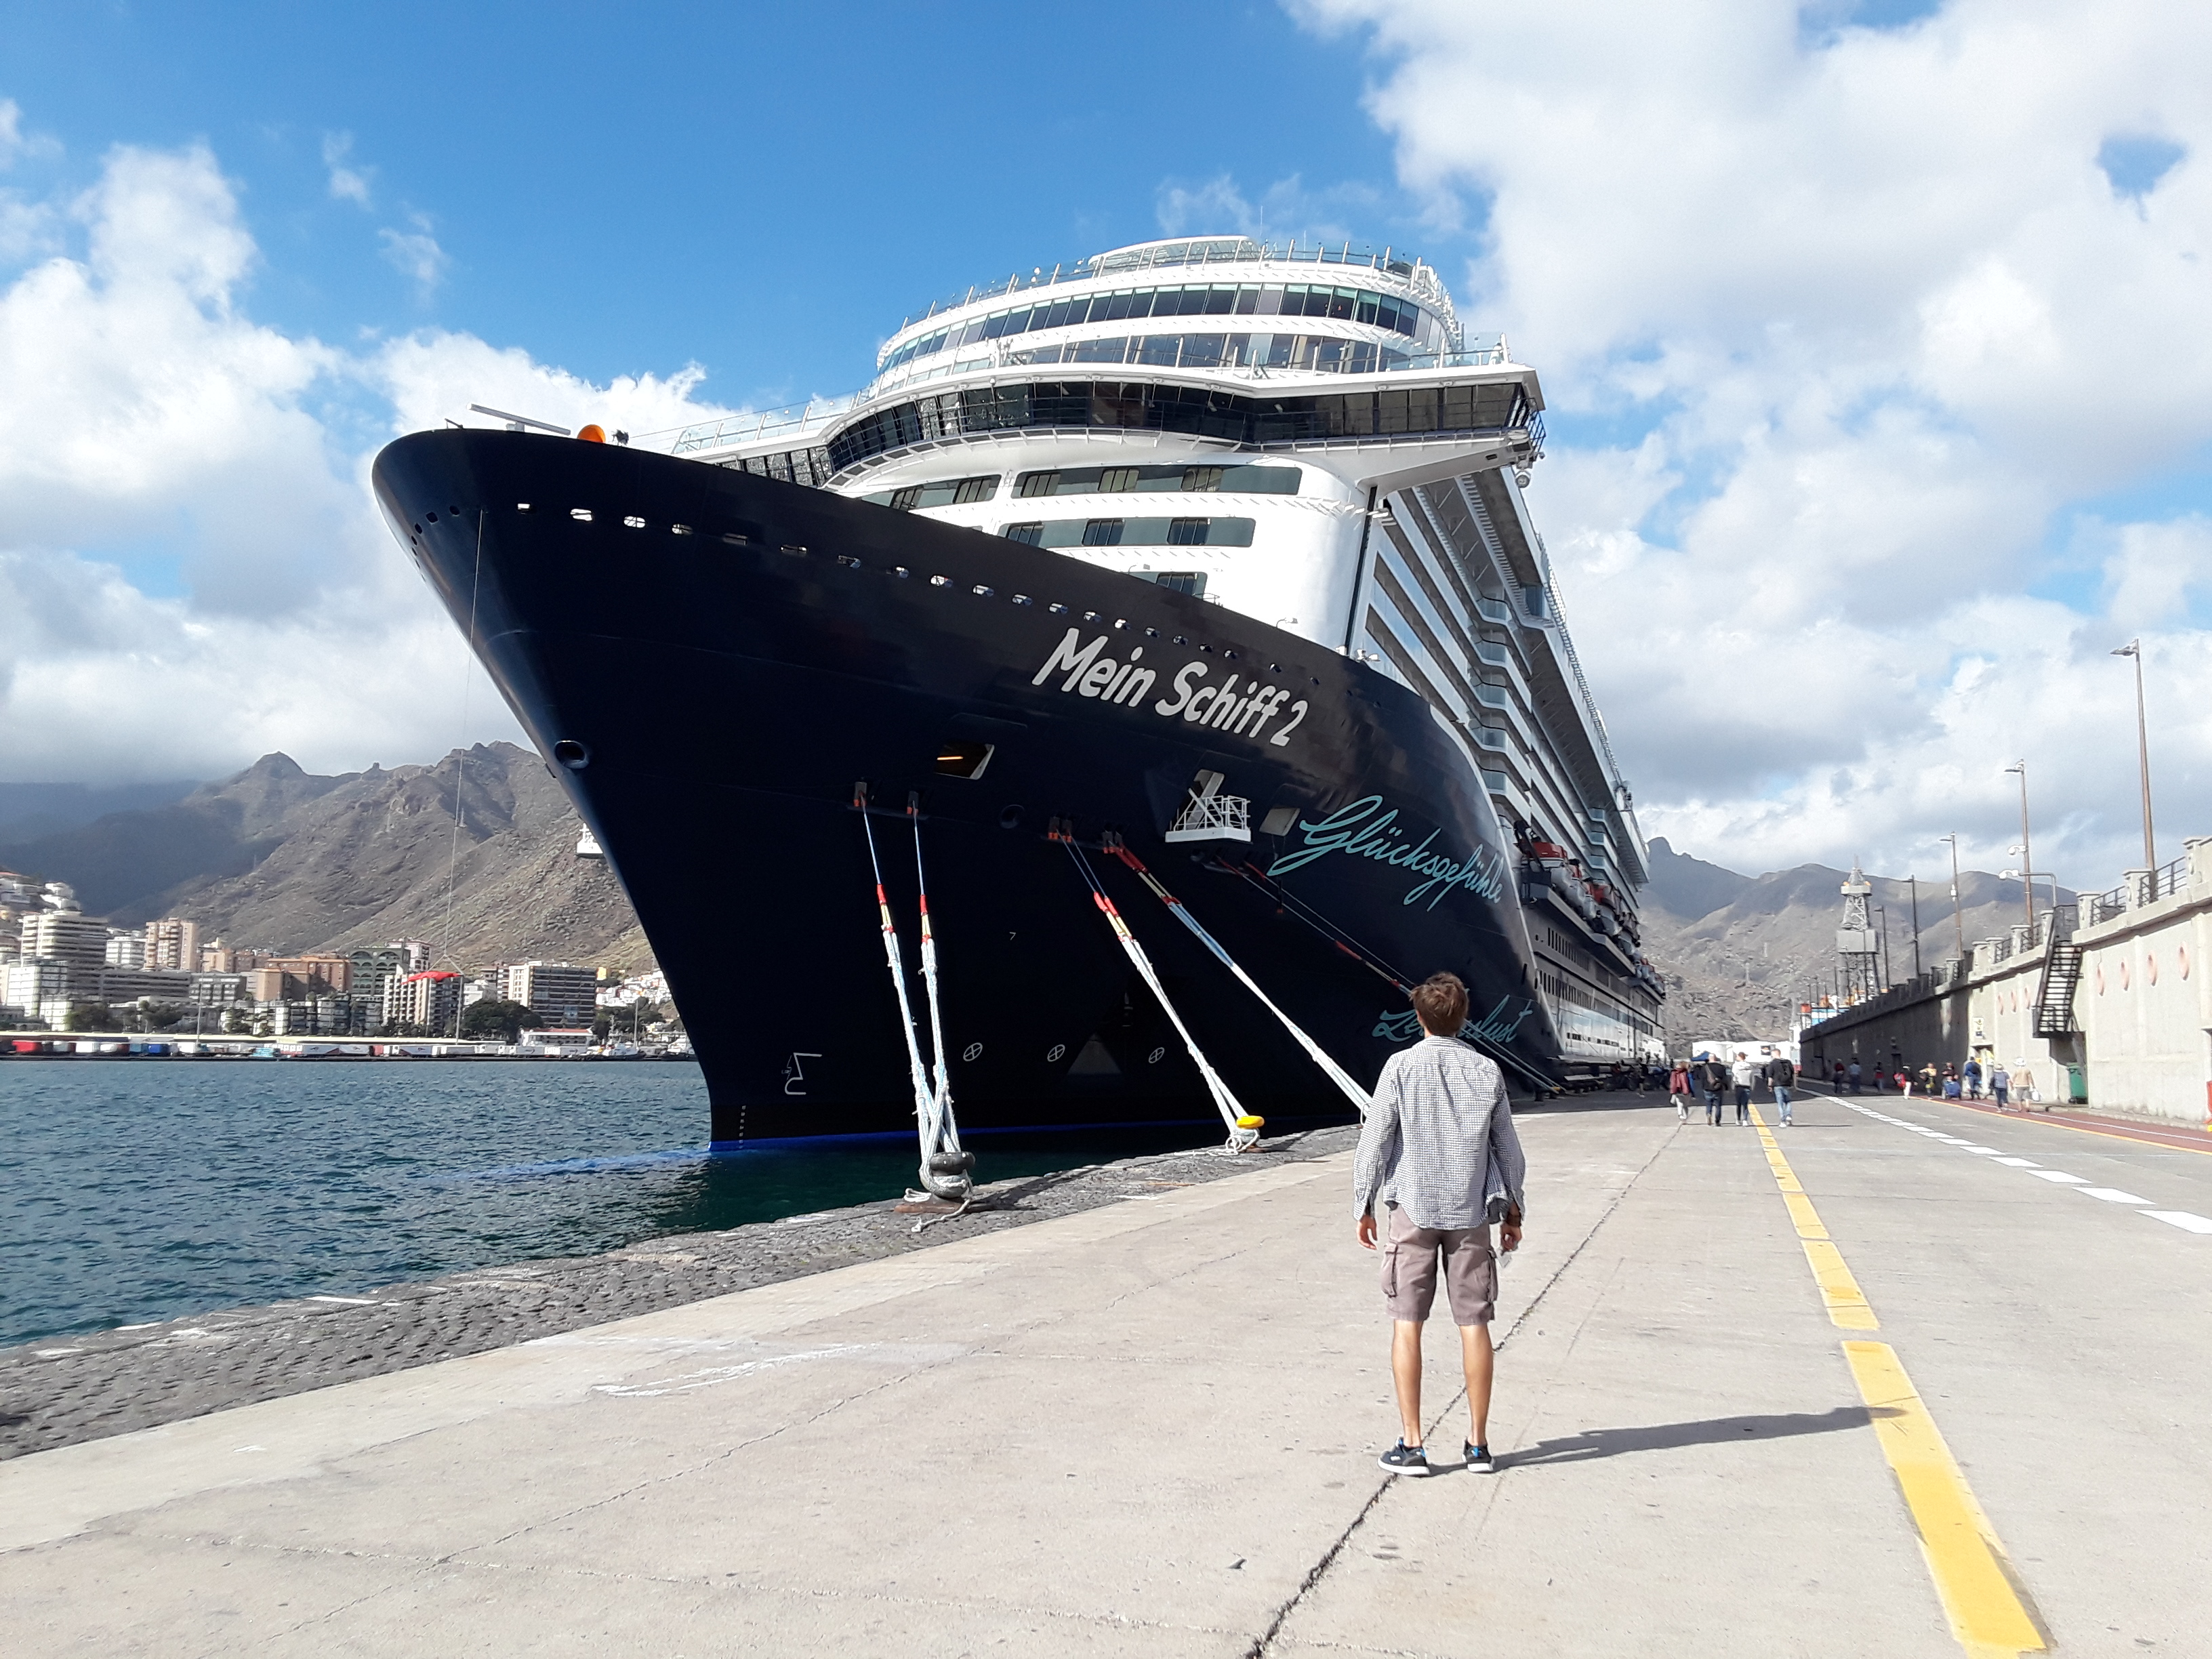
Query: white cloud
1888, 312
1287, 209
416, 255
348, 183
191, 569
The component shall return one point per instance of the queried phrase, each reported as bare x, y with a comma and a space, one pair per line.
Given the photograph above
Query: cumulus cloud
348, 183
416, 255
191, 569
1884, 313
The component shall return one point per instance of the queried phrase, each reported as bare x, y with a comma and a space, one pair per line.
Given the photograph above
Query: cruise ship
1170, 627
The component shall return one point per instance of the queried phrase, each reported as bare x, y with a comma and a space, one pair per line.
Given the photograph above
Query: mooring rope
1343, 1079
1243, 1129
946, 1169
922, 1111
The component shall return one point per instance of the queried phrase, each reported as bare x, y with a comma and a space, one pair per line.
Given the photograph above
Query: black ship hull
714, 695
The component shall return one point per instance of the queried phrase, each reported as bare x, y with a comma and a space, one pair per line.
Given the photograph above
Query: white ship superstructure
1305, 435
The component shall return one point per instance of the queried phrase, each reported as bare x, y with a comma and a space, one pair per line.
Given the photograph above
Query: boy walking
1782, 1075
1439, 1155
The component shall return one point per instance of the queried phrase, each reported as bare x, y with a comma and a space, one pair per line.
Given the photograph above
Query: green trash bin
2077, 1086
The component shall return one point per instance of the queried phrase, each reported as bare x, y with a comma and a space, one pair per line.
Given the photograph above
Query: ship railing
1200, 251
748, 426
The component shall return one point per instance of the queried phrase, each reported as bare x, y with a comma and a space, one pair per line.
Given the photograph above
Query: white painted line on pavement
1985, 1151
2018, 1163
2111, 1195
2181, 1219
2060, 1175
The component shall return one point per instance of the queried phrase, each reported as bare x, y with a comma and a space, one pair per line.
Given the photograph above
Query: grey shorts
1411, 1256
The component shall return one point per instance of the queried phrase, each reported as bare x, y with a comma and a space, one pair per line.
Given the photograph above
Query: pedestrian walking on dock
1854, 1074
1782, 1077
2000, 1083
1930, 1080
1744, 1075
1439, 1157
1972, 1078
1712, 1079
1678, 1089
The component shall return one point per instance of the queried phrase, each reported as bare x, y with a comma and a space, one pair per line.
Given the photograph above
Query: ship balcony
1211, 816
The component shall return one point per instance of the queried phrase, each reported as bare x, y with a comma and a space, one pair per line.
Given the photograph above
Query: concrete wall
2142, 1010
2145, 1000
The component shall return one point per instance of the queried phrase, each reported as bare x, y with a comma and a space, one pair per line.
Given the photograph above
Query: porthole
1090, 615
1156, 1056
1055, 1054
571, 754
1010, 818
736, 539
940, 581
849, 562
452, 512
679, 529
972, 1053
795, 549
580, 514
632, 522
1057, 609
900, 572
522, 507
432, 517
983, 592
1022, 598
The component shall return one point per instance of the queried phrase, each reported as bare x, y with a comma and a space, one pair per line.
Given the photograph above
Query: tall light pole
1958, 913
1913, 882
2027, 852
2134, 648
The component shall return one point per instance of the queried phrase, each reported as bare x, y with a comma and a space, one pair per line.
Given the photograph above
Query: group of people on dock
1713, 1078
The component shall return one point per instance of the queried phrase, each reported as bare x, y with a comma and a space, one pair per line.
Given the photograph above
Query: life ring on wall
2100, 979
2150, 965
2182, 950
2124, 975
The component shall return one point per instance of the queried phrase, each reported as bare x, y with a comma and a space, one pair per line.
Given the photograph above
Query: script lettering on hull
1365, 829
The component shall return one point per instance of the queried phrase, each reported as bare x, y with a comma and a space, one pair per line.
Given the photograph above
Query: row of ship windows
1132, 532
1095, 480
1355, 305
1319, 354
1146, 405
1181, 581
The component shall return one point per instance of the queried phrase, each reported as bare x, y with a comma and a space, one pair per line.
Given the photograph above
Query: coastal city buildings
61, 969
558, 992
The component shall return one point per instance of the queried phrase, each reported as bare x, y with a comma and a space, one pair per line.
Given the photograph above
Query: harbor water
136, 1191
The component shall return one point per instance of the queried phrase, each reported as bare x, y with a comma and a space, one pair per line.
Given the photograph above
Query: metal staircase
2054, 992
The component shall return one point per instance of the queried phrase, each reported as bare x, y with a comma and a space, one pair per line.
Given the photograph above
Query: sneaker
1402, 1459
1479, 1459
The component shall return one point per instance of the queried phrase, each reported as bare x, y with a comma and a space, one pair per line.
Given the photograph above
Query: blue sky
766, 190
1876, 337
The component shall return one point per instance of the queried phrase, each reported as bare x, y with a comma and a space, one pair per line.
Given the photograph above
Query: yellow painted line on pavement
1987, 1611
1847, 1303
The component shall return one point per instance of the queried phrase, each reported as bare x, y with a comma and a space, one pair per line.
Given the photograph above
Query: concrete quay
1902, 1380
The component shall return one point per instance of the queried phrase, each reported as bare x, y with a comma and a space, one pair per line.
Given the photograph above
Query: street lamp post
1958, 913
1913, 882
2134, 648
2027, 851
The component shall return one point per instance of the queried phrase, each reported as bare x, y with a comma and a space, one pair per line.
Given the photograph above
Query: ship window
580, 514
975, 490
1197, 478
964, 758
1102, 533
1029, 535
1191, 582
632, 522
522, 507
983, 592
736, 539
904, 500
679, 529
1278, 821
1037, 484
1187, 532
1114, 480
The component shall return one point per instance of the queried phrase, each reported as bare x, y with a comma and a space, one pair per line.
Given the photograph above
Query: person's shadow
1713, 1432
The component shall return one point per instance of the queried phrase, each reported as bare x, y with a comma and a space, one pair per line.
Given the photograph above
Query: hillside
1763, 945
281, 859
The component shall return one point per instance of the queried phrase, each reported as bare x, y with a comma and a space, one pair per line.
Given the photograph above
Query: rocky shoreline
68, 1389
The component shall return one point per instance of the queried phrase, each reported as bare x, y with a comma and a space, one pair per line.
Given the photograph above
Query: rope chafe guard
946, 1169
1243, 1127
1343, 1079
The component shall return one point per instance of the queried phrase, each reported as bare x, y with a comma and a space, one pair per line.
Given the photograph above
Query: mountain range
278, 858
